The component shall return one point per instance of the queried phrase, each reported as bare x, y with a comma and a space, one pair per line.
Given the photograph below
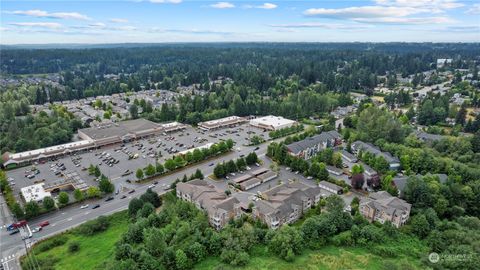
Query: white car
37, 229
309, 178
151, 186
84, 206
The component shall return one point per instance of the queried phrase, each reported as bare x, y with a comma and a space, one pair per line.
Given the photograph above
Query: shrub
343, 239
73, 247
383, 251
51, 243
92, 227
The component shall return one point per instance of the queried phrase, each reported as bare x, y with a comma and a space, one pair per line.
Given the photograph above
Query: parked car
131, 191
84, 206
96, 206
123, 197
14, 231
109, 199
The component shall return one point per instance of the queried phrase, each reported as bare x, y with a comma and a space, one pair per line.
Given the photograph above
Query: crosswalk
7, 259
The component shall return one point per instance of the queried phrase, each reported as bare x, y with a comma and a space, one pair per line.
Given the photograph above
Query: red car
21, 223
43, 224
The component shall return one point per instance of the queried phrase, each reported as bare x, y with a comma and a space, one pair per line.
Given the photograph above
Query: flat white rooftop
273, 121
47, 150
34, 193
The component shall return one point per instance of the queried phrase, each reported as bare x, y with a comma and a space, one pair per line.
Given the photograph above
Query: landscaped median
182, 161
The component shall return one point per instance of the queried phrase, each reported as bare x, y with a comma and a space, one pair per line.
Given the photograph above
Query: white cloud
438, 5
53, 15
49, 25
409, 20
118, 20
222, 5
264, 6
166, 1
198, 32
320, 25
391, 12
474, 9
124, 28
97, 25
363, 12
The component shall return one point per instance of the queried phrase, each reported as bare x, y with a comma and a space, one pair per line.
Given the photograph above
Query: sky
164, 21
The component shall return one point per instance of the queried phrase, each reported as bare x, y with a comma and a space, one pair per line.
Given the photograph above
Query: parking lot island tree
170, 165
159, 168
150, 170
105, 185
139, 174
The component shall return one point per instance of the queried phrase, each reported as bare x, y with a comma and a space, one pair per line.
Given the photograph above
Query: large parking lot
114, 161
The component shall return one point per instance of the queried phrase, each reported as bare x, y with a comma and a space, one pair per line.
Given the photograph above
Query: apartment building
220, 208
309, 147
285, 204
359, 146
383, 207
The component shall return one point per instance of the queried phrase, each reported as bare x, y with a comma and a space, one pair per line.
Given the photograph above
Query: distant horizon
242, 42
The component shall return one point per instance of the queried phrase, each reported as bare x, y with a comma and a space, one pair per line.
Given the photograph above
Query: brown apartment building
383, 207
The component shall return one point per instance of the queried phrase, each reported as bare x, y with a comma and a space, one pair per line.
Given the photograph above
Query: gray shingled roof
368, 147
383, 201
330, 185
323, 137
282, 199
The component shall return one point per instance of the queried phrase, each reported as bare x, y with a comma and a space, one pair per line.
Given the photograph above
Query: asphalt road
12, 246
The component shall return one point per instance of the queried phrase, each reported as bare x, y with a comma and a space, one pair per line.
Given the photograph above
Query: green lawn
94, 250
329, 257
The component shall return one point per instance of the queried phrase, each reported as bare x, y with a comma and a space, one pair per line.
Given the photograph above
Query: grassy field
329, 257
93, 250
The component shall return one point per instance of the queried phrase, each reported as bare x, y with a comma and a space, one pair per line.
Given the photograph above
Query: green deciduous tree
139, 174
32, 209
63, 198
105, 185
48, 203
285, 241
150, 170
78, 195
